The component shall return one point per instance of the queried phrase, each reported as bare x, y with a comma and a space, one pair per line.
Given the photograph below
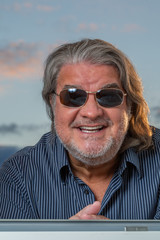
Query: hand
89, 212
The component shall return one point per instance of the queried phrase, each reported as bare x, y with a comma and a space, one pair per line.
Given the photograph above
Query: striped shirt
37, 183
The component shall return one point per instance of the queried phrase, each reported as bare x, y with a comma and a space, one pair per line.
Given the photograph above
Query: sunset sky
30, 30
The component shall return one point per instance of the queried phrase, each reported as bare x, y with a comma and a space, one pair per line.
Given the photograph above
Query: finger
88, 211
92, 209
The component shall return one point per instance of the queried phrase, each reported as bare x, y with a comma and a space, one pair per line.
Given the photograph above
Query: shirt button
86, 192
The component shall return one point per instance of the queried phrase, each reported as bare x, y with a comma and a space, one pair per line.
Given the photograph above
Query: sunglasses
107, 97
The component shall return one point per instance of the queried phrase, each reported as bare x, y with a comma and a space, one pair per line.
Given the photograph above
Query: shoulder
156, 135
46, 141
151, 157
29, 157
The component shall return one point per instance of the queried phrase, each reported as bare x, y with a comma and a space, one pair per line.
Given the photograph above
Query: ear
129, 113
52, 100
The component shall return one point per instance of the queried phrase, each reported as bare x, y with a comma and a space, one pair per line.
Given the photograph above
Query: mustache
100, 121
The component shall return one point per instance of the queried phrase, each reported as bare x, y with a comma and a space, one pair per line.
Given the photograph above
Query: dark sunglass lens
109, 97
73, 97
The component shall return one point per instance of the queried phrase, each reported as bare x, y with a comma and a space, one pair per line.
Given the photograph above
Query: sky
31, 29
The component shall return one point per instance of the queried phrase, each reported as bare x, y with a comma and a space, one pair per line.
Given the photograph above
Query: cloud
45, 8
17, 7
90, 27
129, 28
28, 5
23, 6
51, 47
20, 60
13, 128
24, 61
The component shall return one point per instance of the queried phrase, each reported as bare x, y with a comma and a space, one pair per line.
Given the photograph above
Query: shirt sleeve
14, 200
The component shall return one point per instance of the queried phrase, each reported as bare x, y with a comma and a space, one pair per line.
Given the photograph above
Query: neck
93, 173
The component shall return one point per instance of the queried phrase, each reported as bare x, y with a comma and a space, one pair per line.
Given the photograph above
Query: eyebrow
71, 86
109, 85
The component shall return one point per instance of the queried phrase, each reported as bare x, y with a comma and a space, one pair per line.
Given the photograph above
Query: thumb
92, 209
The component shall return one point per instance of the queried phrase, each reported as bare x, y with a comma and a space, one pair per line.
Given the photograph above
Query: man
101, 159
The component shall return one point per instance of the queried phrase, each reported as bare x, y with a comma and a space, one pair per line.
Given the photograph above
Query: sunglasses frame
93, 93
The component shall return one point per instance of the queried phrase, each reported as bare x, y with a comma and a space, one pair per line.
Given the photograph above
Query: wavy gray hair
99, 52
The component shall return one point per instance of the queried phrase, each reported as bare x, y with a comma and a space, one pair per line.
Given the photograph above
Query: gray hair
99, 52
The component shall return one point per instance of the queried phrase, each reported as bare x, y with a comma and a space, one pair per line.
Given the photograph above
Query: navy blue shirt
37, 183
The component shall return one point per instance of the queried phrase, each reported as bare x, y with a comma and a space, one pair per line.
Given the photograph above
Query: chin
92, 156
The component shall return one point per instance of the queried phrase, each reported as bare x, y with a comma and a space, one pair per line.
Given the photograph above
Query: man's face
92, 134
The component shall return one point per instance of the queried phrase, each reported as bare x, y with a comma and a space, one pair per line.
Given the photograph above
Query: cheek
119, 118
64, 116
115, 115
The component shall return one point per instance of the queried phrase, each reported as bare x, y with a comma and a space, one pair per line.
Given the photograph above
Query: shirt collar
130, 156
63, 160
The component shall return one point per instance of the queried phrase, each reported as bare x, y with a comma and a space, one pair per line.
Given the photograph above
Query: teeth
90, 129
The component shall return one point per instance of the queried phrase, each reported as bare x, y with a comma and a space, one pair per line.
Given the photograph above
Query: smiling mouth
89, 129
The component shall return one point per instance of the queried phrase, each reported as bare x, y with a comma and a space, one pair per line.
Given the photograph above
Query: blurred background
31, 29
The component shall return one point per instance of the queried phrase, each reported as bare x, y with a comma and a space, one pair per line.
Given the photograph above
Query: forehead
87, 75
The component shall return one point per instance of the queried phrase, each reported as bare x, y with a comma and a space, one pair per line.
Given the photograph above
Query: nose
91, 109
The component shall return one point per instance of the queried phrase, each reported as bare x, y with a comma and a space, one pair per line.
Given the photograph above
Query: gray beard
91, 158
101, 155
